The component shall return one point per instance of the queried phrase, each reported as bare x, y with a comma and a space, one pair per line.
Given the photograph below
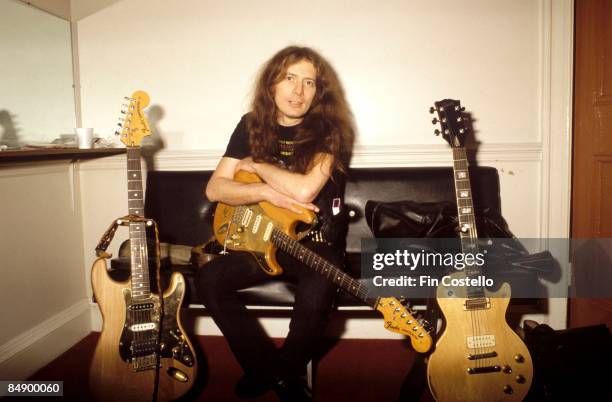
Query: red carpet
353, 370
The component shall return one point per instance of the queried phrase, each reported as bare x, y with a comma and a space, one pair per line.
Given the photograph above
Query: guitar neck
323, 267
465, 213
141, 288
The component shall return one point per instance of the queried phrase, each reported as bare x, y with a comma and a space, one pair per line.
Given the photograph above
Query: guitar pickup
482, 303
483, 370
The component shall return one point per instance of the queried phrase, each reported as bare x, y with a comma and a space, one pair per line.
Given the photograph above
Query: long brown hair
327, 126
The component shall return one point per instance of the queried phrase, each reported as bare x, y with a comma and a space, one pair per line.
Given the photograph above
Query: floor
351, 370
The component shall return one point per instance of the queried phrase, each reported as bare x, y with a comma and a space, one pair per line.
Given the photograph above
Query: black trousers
217, 284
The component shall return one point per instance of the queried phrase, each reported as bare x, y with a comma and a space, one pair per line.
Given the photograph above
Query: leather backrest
176, 200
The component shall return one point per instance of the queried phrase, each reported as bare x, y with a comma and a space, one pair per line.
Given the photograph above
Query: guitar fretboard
141, 288
323, 267
465, 213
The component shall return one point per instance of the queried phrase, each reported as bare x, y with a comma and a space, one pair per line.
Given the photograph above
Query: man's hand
282, 201
246, 164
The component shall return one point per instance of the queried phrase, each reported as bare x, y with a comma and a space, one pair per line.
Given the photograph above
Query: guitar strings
478, 321
341, 278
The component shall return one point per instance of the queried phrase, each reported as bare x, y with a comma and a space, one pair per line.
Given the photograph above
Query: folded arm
301, 187
222, 187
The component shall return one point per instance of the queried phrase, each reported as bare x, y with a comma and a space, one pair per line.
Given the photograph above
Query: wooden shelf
40, 154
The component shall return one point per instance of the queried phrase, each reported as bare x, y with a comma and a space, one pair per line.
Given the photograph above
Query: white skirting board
23, 355
346, 323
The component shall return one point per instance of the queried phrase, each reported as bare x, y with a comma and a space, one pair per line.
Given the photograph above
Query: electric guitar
143, 353
478, 357
263, 228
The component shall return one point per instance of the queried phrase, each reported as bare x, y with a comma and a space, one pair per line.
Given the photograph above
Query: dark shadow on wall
10, 136
153, 143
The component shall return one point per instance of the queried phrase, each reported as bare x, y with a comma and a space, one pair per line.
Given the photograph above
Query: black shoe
249, 386
292, 389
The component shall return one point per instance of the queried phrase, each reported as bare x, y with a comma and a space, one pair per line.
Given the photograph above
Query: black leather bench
176, 201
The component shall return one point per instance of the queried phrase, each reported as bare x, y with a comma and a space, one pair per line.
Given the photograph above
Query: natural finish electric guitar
478, 357
263, 228
143, 353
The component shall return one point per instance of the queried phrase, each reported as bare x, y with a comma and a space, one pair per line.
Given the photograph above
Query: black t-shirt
332, 220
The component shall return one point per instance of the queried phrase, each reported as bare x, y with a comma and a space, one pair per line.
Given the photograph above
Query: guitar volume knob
508, 390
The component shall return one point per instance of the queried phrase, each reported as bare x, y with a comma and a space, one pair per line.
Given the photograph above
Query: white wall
43, 298
198, 59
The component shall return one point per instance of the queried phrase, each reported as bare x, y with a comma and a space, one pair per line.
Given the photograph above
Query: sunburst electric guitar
143, 353
478, 357
263, 228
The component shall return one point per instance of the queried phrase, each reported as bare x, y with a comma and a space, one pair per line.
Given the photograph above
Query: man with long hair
298, 139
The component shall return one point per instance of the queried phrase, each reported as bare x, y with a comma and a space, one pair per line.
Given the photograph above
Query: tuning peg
437, 132
117, 132
462, 108
120, 125
432, 109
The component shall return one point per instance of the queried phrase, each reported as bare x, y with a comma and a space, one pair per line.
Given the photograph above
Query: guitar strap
109, 234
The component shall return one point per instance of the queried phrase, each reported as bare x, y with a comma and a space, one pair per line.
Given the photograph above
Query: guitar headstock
452, 121
398, 319
135, 125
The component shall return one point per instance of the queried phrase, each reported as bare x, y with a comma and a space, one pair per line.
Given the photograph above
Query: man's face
294, 93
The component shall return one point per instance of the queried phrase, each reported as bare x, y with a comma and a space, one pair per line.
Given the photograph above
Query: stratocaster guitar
478, 357
143, 353
263, 228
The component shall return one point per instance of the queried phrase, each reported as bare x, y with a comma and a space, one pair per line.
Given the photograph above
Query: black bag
570, 364
409, 219
428, 219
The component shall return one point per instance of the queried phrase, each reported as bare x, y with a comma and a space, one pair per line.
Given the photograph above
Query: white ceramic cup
84, 137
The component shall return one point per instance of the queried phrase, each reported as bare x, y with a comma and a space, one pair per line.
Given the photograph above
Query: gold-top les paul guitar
263, 228
478, 357
143, 353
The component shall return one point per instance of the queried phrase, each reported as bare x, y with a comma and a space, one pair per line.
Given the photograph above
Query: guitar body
260, 246
113, 378
447, 370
